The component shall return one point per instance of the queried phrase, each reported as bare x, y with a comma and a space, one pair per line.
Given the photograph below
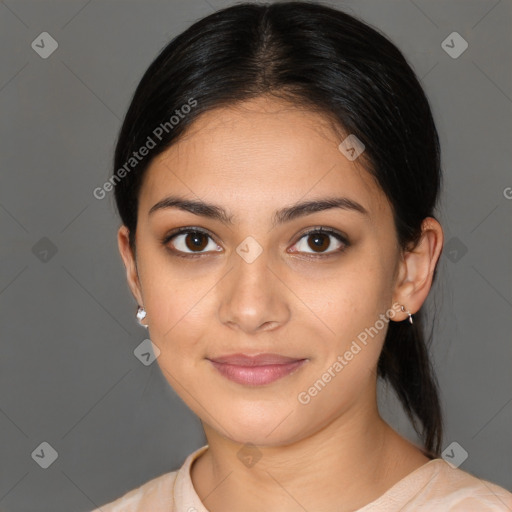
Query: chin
271, 428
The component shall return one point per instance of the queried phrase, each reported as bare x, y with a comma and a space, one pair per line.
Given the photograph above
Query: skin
336, 452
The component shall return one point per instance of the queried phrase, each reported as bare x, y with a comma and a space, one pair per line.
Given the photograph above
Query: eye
191, 242
318, 240
188, 242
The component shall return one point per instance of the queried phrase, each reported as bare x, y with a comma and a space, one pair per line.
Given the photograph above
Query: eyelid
322, 229
185, 229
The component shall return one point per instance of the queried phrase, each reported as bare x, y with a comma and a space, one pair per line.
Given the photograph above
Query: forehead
258, 155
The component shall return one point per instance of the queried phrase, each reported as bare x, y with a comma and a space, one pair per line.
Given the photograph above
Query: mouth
255, 370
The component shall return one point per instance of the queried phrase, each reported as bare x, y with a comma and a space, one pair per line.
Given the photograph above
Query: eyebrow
281, 216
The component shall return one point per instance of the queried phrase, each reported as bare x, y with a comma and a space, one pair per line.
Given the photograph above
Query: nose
252, 298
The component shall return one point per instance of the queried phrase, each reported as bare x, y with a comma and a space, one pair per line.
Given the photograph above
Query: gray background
68, 374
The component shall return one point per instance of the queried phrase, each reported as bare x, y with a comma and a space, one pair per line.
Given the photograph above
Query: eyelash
318, 230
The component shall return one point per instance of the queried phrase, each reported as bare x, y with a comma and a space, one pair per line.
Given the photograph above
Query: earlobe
129, 263
418, 266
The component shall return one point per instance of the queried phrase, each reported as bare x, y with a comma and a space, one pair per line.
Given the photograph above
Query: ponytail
404, 362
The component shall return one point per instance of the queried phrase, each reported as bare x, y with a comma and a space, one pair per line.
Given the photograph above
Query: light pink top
435, 486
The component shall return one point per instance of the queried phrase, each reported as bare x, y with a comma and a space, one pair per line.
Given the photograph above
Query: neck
351, 461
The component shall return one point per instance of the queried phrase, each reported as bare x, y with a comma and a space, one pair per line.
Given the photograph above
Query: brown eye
319, 241
196, 241
191, 242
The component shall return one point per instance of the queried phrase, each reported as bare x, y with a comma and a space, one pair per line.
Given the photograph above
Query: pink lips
255, 370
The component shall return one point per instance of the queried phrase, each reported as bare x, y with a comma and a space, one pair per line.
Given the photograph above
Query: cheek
177, 320
349, 301
351, 306
345, 367
174, 304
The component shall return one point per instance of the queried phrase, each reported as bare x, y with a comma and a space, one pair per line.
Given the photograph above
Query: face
254, 281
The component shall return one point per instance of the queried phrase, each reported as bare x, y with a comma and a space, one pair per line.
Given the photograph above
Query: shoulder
154, 495
453, 489
158, 494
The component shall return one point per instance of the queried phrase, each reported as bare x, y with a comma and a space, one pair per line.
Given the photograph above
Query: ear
132, 276
417, 269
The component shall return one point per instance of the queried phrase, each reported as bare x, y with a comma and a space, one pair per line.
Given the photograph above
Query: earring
141, 314
410, 316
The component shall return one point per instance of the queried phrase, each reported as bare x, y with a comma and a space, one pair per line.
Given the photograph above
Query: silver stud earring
141, 314
410, 316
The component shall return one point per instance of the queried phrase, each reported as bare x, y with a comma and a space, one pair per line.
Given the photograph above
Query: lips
257, 360
255, 370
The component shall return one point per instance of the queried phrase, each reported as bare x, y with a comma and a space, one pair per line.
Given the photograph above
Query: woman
276, 176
